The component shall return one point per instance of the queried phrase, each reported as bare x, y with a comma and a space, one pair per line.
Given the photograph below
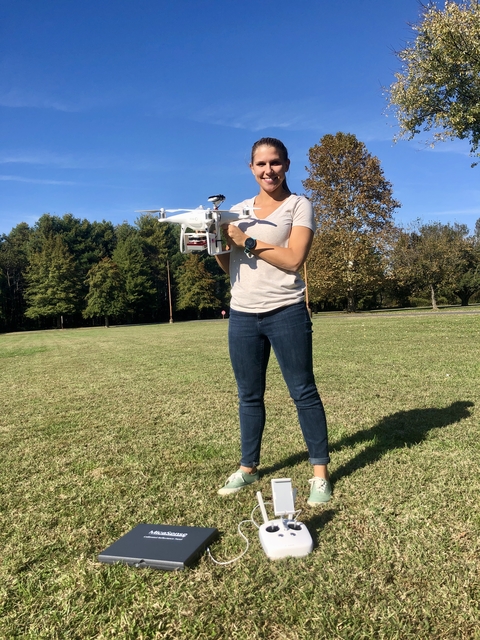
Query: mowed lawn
103, 429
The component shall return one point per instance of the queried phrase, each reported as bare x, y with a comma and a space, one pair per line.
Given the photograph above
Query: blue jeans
289, 332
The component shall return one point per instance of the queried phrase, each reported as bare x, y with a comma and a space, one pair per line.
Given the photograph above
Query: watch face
250, 243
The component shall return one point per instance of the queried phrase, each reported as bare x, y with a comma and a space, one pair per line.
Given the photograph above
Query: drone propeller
178, 210
162, 211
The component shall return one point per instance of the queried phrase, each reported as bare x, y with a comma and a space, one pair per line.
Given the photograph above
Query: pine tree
158, 245
88, 242
13, 263
196, 287
53, 285
139, 291
2, 294
105, 291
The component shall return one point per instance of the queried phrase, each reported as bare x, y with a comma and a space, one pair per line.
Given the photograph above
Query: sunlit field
102, 429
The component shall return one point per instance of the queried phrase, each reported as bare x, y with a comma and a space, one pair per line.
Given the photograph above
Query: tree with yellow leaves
438, 87
354, 207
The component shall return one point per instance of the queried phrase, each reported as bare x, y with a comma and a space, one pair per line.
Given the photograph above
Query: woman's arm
290, 258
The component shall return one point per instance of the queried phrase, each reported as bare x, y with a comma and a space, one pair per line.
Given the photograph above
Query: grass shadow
401, 429
317, 523
290, 461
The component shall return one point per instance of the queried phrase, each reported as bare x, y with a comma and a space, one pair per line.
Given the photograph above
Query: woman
268, 310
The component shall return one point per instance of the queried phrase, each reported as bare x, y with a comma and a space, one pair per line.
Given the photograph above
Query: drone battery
160, 546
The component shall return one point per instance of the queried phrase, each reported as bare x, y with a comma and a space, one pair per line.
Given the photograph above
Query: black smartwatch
250, 244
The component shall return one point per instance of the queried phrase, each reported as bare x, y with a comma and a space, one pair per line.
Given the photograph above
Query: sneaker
237, 481
321, 491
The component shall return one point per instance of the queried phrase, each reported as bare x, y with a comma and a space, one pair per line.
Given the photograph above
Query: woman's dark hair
276, 144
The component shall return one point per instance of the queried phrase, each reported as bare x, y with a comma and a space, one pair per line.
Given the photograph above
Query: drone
201, 228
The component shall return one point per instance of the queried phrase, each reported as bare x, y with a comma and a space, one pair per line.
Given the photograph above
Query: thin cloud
38, 180
293, 115
21, 99
67, 183
70, 101
459, 147
421, 143
297, 115
43, 157
453, 213
461, 216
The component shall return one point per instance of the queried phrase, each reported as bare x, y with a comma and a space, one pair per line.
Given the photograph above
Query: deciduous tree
431, 256
467, 281
354, 208
438, 87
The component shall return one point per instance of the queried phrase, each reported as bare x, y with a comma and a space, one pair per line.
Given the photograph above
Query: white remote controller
283, 537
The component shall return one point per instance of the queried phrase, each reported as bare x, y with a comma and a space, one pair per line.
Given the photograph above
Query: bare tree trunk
107, 325
434, 300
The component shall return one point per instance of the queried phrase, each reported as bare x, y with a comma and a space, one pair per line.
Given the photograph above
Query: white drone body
201, 228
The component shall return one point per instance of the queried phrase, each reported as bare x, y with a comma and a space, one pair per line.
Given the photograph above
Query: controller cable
240, 532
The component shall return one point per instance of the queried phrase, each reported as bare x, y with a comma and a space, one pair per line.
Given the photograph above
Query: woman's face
269, 168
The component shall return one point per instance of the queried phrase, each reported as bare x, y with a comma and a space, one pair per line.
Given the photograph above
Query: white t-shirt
258, 287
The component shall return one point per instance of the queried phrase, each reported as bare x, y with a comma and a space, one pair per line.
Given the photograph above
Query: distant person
268, 310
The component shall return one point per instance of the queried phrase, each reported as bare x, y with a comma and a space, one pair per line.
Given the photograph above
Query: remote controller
283, 537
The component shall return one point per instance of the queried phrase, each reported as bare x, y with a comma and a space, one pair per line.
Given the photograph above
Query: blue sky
110, 106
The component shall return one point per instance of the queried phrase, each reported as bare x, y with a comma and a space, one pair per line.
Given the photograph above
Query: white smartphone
283, 497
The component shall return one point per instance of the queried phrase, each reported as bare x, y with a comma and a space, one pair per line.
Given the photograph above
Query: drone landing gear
199, 241
191, 242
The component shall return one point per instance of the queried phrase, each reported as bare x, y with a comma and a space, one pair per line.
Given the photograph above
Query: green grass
103, 429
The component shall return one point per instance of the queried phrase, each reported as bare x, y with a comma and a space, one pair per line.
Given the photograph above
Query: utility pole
169, 293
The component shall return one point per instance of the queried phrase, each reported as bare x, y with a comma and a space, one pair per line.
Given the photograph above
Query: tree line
64, 271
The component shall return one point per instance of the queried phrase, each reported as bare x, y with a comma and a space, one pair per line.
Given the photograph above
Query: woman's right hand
234, 235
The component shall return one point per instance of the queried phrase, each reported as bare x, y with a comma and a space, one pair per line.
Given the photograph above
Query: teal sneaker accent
237, 481
320, 492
